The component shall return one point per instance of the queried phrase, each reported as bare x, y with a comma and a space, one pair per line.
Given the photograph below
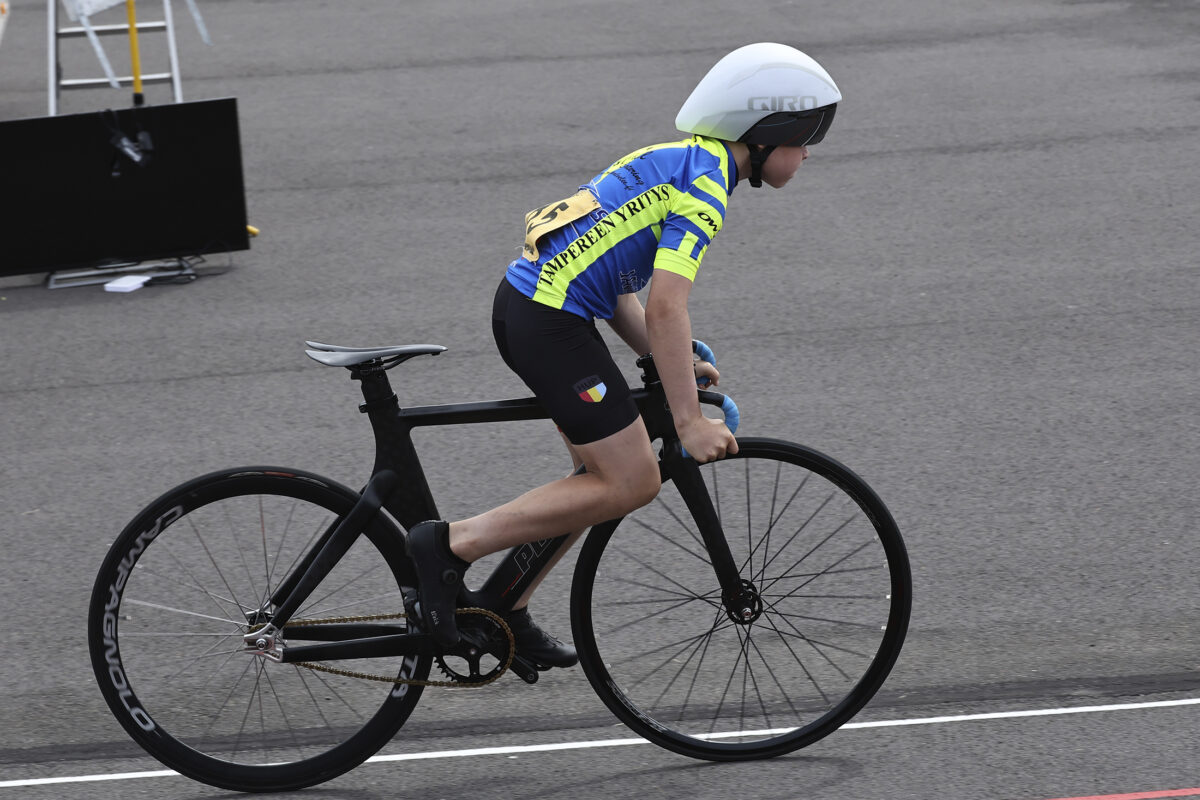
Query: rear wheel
828, 575
190, 576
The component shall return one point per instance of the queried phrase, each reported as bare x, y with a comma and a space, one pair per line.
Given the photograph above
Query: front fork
740, 598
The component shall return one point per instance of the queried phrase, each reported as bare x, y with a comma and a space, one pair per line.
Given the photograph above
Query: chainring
482, 637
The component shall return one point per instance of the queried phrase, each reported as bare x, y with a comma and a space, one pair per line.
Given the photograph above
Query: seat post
376, 388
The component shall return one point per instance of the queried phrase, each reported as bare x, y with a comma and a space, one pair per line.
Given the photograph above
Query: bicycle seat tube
411, 502
397, 483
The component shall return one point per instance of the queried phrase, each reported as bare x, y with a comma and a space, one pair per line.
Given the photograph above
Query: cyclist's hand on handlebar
706, 439
706, 374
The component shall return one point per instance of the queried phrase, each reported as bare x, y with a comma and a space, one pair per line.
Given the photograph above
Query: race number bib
547, 219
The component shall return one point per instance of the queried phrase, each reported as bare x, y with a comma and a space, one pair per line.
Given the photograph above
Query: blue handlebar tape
732, 415
706, 354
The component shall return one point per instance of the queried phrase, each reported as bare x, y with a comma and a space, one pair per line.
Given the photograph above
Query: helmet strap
758, 156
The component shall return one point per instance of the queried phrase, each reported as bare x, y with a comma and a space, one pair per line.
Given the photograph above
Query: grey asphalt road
980, 293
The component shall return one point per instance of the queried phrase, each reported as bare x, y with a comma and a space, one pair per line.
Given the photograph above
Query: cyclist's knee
626, 464
640, 483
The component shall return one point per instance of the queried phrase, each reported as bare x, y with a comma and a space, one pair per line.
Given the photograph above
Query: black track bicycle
247, 628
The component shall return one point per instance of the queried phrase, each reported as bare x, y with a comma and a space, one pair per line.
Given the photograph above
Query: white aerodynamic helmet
766, 94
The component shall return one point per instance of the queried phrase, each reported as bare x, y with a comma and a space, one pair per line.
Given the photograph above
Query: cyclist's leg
622, 475
533, 641
572, 538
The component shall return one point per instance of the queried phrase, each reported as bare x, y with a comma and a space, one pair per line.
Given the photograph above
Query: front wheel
189, 577
822, 557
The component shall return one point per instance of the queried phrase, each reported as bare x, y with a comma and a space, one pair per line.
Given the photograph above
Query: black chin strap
758, 156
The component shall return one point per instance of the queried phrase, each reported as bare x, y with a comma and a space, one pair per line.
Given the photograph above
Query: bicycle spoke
686, 640
667, 578
233, 530
691, 644
373, 602
846, 557
310, 605
160, 607
660, 590
699, 648
799, 662
194, 583
671, 541
642, 619
696, 674
216, 566
800, 530
684, 526
283, 714
843, 622
774, 521
250, 666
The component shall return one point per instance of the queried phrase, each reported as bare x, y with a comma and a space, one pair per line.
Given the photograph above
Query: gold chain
347, 673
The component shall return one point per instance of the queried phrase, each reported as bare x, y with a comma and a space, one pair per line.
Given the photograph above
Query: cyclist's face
782, 164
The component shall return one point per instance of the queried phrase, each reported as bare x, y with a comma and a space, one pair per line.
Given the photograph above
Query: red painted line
1167, 793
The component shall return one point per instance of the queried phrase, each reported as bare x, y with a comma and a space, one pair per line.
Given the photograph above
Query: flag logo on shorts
591, 390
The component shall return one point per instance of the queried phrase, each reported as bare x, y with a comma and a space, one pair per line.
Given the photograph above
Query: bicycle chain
348, 673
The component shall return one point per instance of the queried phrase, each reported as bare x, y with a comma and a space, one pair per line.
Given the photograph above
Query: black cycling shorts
563, 359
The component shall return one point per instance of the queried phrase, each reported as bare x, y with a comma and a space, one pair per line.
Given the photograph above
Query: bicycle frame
398, 485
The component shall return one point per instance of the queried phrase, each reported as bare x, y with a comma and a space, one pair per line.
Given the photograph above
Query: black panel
70, 198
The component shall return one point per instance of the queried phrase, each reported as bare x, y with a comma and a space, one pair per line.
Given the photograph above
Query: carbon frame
398, 484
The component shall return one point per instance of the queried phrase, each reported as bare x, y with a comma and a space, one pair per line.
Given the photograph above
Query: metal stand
93, 34
181, 268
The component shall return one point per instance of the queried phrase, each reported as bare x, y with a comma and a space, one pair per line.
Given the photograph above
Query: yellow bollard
3, 17
135, 57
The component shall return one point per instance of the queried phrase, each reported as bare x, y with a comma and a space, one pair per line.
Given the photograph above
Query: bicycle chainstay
347, 673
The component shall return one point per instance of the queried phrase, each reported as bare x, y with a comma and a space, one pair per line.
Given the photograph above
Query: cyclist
650, 215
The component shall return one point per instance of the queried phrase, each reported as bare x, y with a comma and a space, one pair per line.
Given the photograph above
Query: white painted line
115, 776
546, 748
1041, 712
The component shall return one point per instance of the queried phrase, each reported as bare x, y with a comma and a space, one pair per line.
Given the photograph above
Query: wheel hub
746, 606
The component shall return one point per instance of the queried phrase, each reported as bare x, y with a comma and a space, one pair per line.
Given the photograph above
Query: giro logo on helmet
782, 103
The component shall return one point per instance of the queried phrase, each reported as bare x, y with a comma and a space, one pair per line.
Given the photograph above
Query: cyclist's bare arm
670, 331
629, 322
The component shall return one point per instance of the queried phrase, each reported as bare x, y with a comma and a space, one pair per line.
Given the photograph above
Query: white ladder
93, 32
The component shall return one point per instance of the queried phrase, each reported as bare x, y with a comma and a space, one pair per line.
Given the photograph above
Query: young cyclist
647, 219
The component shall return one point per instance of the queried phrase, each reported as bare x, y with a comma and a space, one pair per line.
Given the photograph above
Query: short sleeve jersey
656, 208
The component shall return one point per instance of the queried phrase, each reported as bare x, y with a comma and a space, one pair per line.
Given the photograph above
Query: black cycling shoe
439, 578
538, 646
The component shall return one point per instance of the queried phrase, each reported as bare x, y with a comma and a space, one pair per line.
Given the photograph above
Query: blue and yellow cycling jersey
656, 208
